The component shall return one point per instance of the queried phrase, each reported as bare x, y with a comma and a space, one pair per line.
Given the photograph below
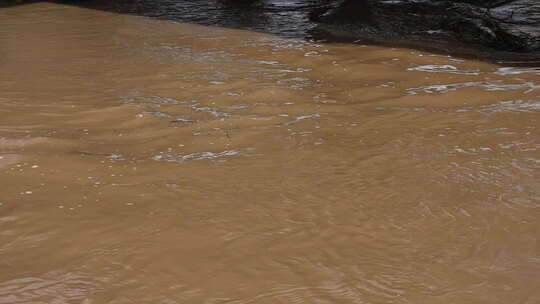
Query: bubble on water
312, 54
115, 156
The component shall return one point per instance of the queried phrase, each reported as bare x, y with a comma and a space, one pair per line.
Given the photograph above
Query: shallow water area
145, 161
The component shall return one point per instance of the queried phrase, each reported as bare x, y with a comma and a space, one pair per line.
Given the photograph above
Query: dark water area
296, 19
286, 18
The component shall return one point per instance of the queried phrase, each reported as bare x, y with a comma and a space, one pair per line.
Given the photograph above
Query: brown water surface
145, 161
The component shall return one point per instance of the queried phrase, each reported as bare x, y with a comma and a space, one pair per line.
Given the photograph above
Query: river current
150, 161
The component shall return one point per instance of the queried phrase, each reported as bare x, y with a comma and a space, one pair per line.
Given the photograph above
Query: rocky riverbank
498, 25
496, 30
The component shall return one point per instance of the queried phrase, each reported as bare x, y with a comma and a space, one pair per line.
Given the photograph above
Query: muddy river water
148, 161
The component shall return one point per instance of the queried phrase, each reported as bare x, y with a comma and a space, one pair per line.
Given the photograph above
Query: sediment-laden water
145, 161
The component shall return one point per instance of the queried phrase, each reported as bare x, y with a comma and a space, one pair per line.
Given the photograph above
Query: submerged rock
510, 25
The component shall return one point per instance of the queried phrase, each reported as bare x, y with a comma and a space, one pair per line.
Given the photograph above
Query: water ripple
444, 69
217, 156
488, 86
